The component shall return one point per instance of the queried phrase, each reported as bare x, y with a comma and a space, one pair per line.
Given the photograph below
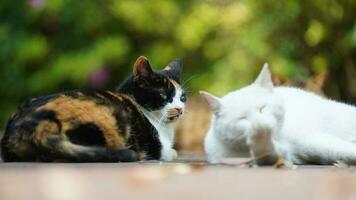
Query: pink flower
98, 78
36, 3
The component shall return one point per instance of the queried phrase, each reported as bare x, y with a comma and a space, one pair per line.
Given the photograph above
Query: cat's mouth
173, 115
172, 118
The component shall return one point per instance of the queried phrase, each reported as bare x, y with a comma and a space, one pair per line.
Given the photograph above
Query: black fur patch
175, 70
48, 115
87, 134
100, 97
152, 92
143, 137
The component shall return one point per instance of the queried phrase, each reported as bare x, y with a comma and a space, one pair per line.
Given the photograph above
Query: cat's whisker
189, 79
186, 112
187, 91
160, 121
155, 118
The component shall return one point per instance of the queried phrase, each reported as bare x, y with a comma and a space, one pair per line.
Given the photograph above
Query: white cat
296, 125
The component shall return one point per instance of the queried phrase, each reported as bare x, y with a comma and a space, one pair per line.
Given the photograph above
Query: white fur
296, 125
159, 119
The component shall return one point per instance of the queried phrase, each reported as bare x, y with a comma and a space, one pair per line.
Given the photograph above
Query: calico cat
129, 124
285, 122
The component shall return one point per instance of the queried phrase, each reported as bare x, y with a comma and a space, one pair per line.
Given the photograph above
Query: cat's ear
174, 69
264, 79
142, 67
213, 101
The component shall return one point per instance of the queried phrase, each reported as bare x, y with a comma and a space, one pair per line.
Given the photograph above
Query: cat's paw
168, 154
260, 143
259, 139
174, 154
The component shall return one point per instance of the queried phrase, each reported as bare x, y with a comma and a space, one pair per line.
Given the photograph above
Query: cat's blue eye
163, 96
183, 98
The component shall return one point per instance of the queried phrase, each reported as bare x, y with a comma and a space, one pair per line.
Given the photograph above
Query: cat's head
250, 109
159, 92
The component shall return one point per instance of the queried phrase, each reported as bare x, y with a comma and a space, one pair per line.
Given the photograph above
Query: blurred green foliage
52, 45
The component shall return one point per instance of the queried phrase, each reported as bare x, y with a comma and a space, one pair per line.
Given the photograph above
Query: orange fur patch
85, 111
43, 128
175, 83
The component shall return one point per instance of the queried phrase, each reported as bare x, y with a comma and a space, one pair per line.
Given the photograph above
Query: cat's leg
323, 149
262, 148
174, 154
167, 152
215, 149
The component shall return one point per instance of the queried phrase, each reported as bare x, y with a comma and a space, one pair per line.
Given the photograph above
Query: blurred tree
52, 45
315, 36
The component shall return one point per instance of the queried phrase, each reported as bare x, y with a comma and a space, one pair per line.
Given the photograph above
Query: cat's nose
179, 110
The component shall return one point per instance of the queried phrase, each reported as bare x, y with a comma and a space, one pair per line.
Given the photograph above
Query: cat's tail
57, 148
22, 143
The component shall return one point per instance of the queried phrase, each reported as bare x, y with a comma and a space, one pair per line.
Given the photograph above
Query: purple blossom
98, 78
36, 3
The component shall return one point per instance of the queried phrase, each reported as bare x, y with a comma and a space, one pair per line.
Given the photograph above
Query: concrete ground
188, 178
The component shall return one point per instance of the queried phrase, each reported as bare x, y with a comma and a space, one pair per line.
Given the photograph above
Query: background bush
53, 45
